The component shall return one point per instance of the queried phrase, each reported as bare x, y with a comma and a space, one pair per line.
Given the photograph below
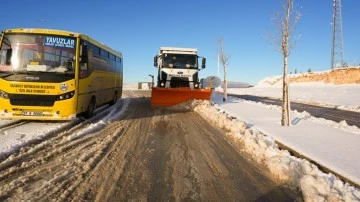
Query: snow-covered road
135, 153
257, 138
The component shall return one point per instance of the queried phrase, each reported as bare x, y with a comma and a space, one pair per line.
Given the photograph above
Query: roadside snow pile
314, 184
342, 125
112, 114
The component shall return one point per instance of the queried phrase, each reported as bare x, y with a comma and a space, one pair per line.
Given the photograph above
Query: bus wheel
113, 101
90, 110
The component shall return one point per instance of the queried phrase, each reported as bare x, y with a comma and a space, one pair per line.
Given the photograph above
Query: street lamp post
152, 80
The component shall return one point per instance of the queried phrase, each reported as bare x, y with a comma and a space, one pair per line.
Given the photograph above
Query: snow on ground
25, 134
344, 96
112, 114
29, 132
258, 127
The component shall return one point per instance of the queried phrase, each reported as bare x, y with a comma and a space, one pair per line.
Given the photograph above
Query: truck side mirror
8, 56
83, 53
155, 61
203, 63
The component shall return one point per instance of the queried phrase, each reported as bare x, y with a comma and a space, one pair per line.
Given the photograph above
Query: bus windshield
180, 61
25, 53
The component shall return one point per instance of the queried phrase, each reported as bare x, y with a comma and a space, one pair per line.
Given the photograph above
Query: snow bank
112, 114
314, 184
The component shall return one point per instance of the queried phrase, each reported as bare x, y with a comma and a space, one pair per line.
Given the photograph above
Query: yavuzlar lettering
60, 42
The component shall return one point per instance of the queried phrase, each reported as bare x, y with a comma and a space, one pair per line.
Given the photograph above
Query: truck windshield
180, 61
25, 53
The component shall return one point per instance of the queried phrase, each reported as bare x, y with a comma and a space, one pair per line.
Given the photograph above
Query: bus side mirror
83, 53
203, 63
155, 61
8, 56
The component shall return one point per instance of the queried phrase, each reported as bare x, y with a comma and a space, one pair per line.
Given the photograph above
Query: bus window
36, 52
84, 61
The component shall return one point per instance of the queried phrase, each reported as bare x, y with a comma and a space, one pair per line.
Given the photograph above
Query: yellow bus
56, 75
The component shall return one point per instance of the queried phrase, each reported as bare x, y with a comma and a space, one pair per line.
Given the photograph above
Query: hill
335, 76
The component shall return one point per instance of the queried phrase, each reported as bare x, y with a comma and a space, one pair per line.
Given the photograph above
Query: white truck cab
178, 67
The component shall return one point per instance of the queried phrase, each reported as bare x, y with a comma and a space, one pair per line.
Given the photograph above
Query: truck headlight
4, 94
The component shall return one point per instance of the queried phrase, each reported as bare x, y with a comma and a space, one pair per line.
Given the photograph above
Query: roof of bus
63, 33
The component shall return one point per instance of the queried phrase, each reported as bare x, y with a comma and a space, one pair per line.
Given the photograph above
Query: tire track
141, 154
33, 165
11, 125
175, 155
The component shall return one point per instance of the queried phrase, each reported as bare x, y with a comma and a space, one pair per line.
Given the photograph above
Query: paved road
142, 154
337, 115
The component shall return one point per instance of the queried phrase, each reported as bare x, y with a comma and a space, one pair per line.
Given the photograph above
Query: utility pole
218, 65
337, 52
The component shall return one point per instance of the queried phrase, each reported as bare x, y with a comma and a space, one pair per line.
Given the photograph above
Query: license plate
27, 113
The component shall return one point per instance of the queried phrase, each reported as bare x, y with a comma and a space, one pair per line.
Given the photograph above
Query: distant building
218, 83
234, 84
144, 85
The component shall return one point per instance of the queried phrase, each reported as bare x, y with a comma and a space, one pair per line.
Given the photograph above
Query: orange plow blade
165, 97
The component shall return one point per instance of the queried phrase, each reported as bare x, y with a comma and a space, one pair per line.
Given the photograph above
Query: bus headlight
4, 94
65, 96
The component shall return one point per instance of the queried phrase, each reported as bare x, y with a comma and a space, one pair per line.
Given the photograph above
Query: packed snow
257, 127
25, 133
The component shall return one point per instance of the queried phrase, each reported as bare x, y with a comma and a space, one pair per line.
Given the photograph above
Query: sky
256, 127
138, 28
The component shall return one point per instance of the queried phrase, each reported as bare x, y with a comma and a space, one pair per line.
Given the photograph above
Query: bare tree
224, 60
285, 22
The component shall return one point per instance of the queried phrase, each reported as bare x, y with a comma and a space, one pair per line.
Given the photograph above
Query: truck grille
177, 82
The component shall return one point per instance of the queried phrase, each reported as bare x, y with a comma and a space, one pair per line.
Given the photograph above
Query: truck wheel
90, 110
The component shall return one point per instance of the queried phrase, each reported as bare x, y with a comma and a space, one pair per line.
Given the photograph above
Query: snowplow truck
178, 77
